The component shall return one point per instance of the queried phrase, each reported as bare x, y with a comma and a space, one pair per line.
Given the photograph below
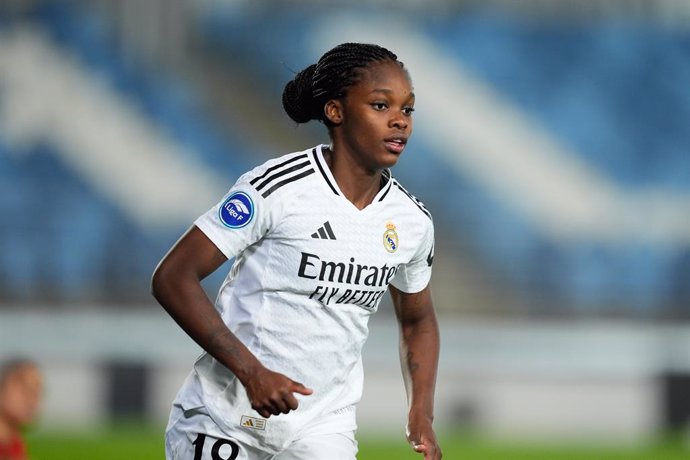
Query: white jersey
310, 269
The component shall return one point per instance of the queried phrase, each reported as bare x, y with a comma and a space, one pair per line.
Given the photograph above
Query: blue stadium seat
573, 78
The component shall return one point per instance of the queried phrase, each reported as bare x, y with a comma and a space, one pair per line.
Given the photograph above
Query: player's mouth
395, 144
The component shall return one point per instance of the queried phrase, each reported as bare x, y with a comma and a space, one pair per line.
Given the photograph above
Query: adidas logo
252, 422
325, 232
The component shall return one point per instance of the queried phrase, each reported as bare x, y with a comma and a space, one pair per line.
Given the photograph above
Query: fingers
279, 406
419, 447
301, 389
430, 450
280, 400
291, 402
274, 406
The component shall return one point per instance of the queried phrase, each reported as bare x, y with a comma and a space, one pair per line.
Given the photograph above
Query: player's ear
333, 110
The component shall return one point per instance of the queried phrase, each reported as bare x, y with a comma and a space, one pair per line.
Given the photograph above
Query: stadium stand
85, 248
612, 91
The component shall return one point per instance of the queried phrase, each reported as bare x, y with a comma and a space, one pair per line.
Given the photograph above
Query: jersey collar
322, 167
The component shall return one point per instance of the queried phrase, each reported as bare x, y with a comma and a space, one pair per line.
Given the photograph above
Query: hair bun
298, 98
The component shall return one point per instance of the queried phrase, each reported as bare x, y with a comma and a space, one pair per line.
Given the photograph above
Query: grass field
130, 443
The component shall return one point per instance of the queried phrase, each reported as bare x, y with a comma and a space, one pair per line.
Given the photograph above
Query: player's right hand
272, 393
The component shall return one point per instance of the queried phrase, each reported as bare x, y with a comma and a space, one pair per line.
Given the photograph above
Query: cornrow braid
305, 95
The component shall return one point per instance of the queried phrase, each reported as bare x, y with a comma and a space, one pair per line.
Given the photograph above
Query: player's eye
408, 110
379, 106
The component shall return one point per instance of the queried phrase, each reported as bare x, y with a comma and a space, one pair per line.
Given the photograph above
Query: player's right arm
176, 284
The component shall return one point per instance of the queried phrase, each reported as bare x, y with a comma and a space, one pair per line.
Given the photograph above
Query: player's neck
359, 186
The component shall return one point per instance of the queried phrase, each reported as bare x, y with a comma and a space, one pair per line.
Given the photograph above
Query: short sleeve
239, 220
416, 274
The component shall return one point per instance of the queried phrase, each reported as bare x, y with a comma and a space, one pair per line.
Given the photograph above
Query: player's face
377, 116
21, 395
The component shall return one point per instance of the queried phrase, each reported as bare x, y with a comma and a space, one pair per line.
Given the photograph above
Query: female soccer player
21, 386
318, 237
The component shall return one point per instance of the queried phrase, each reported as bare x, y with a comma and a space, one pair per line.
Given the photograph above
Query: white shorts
194, 436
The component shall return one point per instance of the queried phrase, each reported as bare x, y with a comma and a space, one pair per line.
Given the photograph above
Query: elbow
170, 280
160, 280
155, 283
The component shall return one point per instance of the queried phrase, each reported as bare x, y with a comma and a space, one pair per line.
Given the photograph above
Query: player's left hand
422, 438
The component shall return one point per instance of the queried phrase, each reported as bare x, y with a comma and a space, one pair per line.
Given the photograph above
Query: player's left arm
419, 350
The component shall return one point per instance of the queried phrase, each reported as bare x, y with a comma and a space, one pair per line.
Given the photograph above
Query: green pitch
135, 443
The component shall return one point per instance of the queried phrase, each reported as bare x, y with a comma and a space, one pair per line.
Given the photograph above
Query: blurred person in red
21, 385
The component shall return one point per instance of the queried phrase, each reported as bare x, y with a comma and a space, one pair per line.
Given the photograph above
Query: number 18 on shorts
209, 448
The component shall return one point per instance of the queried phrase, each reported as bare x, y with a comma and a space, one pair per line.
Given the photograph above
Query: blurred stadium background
551, 144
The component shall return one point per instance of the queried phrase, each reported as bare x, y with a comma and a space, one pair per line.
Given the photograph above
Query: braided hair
305, 95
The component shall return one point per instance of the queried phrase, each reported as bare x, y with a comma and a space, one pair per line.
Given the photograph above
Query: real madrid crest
390, 237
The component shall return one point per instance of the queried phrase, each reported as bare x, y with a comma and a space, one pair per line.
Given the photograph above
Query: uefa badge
390, 237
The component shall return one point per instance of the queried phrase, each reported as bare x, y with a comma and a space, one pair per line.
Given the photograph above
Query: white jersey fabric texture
310, 269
